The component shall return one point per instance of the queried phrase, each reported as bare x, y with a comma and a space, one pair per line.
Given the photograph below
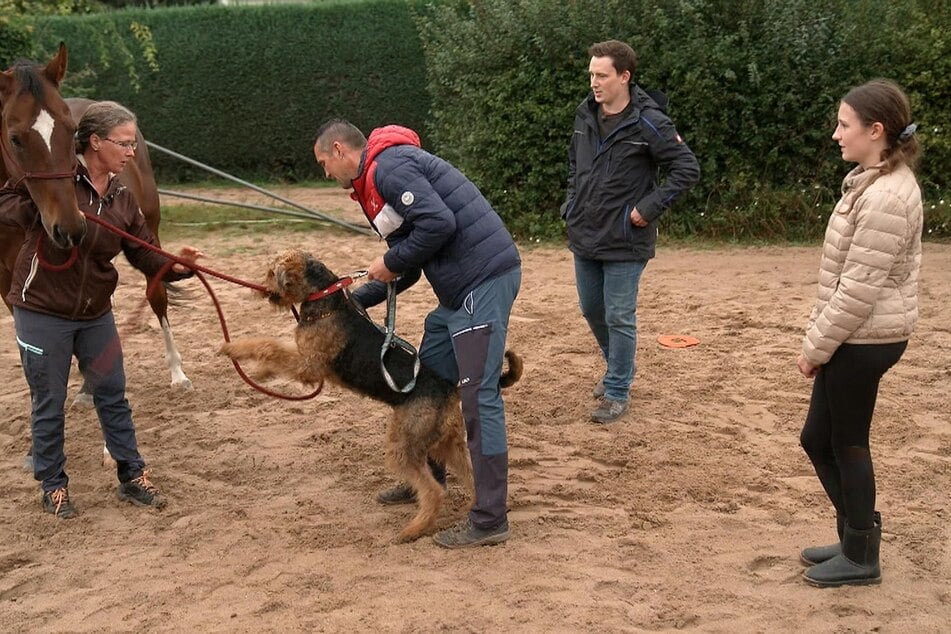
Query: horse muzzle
67, 235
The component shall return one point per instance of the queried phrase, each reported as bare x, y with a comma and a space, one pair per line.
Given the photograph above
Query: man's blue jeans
607, 294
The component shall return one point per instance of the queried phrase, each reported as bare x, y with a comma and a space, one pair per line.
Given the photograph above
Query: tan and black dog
337, 342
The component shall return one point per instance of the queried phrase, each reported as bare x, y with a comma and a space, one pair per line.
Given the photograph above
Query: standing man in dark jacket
434, 219
621, 137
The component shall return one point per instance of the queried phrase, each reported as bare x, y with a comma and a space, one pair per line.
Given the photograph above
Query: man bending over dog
435, 219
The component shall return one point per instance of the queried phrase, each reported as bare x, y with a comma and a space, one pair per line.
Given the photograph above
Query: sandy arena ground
688, 514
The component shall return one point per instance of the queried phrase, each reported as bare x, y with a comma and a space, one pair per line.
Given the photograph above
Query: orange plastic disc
677, 341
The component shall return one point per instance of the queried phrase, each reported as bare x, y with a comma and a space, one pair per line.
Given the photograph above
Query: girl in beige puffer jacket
866, 310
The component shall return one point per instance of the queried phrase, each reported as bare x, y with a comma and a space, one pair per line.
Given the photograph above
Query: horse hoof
28, 463
107, 459
83, 399
184, 385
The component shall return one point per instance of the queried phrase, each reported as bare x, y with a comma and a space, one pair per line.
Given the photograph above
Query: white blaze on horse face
44, 126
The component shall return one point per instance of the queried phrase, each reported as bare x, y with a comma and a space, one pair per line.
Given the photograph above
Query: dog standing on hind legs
337, 342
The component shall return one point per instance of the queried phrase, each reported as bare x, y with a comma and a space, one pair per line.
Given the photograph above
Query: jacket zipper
83, 305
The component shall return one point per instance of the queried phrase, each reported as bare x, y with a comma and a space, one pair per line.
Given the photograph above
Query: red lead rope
198, 269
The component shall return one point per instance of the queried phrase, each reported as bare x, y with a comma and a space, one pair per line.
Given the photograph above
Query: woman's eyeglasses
125, 145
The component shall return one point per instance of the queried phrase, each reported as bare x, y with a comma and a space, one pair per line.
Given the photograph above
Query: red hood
364, 189
387, 136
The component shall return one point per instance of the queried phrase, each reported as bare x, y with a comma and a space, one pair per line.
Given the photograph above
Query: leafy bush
245, 88
15, 36
754, 86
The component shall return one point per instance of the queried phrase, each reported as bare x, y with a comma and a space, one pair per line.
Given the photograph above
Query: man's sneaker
141, 492
598, 390
466, 534
609, 411
57, 502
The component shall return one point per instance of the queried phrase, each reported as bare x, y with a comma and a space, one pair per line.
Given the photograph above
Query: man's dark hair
339, 130
621, 54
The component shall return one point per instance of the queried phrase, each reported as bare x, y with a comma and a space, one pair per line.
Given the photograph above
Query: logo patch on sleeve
407, 198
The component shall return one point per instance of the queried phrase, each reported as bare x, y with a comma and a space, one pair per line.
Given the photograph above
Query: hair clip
907, 132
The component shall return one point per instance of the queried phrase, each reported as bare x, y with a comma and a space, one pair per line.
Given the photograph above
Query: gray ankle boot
817, 554
857, 564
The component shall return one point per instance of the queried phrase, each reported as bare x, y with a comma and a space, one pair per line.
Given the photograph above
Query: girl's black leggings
836, 432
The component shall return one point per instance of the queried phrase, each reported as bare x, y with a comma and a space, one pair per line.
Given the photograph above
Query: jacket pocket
627, 229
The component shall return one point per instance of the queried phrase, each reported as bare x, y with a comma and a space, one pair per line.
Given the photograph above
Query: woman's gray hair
100, 118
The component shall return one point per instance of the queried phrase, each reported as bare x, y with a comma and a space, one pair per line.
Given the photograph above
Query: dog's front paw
236, 350
227, 350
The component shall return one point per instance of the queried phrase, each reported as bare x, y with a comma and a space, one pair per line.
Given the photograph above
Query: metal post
261, 190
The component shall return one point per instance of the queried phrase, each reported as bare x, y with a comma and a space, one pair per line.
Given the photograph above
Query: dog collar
330, 290
340, 284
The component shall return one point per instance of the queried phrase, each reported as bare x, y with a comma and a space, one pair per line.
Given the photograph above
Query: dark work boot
399, 494
857, 564
817, 554
404, 494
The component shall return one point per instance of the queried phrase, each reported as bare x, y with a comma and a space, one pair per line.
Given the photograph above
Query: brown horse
37, 129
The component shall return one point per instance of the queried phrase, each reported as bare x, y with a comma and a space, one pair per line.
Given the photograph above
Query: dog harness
391, 339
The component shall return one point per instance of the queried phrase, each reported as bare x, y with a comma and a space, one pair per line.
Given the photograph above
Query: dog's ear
318, 275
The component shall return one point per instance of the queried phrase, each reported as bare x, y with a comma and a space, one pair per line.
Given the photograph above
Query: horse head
38, 146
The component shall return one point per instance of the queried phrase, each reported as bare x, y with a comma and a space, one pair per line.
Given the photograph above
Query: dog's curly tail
514, 371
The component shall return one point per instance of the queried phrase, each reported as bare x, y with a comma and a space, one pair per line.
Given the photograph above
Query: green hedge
15, 40
492, 85
245, 88
754, 86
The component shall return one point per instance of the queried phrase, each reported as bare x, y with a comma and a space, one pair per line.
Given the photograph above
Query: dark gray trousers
47, 345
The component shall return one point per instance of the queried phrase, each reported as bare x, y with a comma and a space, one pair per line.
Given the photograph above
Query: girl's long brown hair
882, 101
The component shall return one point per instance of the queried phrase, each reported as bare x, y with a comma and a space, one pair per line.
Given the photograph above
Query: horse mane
28, 76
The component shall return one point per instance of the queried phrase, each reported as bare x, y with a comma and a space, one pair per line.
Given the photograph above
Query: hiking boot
57, 502
466, 534
598, 390
608, 411
141, 492
400, 494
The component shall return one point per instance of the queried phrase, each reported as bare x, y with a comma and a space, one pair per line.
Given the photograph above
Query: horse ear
56, 69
